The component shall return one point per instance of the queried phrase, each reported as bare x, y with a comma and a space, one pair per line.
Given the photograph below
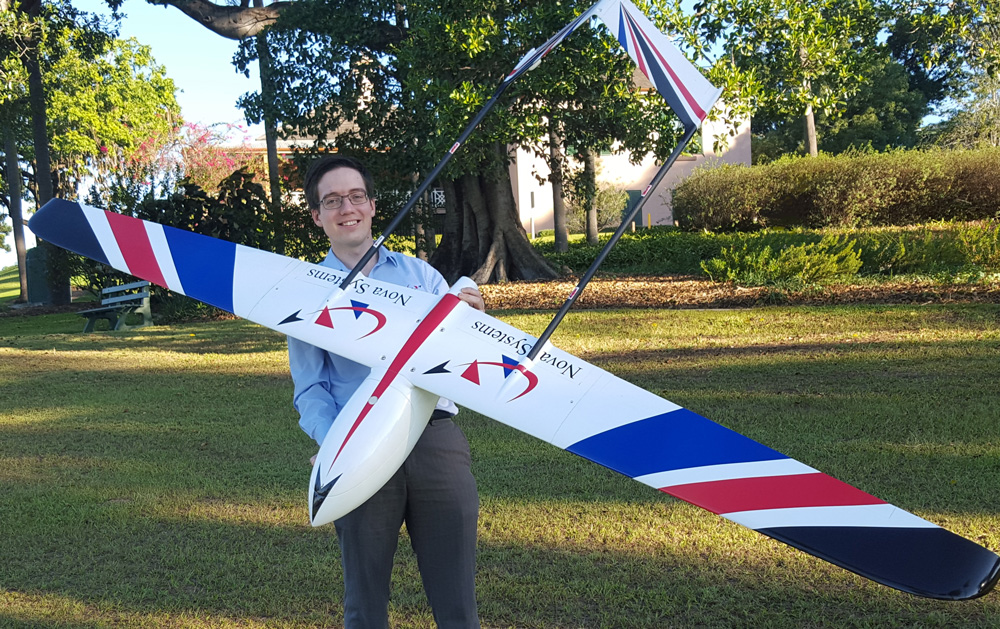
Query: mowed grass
10, 286
157, 477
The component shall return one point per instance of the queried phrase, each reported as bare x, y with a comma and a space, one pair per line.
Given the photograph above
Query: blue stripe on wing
204, 265
672, 441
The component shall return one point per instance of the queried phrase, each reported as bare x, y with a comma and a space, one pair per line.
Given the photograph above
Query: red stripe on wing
772, 492
685, 93
412, 344
130, 233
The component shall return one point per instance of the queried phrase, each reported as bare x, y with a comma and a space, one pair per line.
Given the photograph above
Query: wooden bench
117, 303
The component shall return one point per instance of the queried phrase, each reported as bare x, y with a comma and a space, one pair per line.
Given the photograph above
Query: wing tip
990, 581
928, 562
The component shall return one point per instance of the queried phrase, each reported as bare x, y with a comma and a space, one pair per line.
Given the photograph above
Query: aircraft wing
477, 361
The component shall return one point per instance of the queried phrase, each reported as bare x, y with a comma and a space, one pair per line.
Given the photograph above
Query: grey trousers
434, 493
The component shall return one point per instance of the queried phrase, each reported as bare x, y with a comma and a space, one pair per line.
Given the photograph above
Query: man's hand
473, 297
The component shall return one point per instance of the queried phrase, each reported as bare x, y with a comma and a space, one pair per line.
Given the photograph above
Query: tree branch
231, 22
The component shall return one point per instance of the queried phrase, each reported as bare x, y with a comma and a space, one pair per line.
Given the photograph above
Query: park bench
117, 303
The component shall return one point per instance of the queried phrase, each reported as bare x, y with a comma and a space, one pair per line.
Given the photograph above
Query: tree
13, 32
28, 32
344, 87
944, 43
954, 48
101, 97
250, 25
795, 58
101, 110
887, 112
976, 122
587, 98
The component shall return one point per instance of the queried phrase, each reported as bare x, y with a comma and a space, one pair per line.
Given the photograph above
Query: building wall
534, 199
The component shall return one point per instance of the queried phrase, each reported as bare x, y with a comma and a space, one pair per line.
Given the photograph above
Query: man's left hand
473, 297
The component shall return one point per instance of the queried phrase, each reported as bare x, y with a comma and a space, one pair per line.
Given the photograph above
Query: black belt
439, 414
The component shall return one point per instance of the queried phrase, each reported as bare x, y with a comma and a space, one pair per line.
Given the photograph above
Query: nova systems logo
326, 320
509, 365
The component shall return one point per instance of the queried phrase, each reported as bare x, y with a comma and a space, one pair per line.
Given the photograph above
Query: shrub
849, 190
658, 250
610, 202
753, 263
951, 248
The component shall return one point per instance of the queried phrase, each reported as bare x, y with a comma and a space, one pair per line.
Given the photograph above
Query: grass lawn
9, 285
157, 477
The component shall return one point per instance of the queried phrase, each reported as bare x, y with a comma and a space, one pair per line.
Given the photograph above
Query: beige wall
534, 199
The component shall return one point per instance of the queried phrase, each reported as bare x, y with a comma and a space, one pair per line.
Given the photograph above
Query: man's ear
315, 215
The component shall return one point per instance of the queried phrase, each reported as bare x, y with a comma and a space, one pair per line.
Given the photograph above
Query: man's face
349, 226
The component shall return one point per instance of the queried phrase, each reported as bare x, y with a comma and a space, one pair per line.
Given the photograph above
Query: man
434, 492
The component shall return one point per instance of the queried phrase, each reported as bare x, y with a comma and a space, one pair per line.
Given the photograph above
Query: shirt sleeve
313, 397
435, 281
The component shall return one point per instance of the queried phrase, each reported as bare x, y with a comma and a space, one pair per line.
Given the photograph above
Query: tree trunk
811, 132
270, 137
811, 143
483, 237
419, 239
590, 194
13, 170
232, 22
556, 179
424, 236
40, 135
57, 272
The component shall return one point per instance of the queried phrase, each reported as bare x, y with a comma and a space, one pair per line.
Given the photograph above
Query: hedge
942, 247
849, 190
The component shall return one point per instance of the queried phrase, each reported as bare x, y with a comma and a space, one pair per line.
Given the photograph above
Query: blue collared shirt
324, 381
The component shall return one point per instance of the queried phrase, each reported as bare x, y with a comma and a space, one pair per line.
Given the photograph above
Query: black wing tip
990, 582
41, 219
928, 562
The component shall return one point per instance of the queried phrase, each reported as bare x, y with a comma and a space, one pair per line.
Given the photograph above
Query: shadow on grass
219, 337
136, 564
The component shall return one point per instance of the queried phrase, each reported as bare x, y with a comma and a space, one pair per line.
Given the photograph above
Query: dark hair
324, 165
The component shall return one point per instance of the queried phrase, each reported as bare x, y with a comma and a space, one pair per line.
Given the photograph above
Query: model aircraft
421, 346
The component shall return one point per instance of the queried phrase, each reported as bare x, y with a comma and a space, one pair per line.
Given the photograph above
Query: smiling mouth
349, 223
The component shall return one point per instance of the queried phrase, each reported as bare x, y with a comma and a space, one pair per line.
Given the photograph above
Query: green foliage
976, 123
432, 77
4, 230
610, 202
111, 103
956, 251
851, 190
104, 97
237, 214
794, 266
646, 252
786, 56
885, 113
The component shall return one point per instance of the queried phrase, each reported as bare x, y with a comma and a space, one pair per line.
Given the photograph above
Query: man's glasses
334, 202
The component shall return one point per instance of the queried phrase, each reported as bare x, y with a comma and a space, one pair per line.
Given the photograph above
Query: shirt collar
384, 256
